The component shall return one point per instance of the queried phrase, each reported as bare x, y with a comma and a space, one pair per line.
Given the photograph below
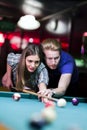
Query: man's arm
63, 84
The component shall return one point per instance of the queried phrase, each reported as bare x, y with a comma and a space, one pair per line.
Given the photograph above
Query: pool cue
36, 94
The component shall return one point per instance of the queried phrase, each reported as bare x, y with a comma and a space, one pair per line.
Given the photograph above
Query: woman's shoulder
41, 67
13, 58
13, 54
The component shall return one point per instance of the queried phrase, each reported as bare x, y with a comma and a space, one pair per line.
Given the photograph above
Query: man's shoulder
65, 52
66, 58
66, 55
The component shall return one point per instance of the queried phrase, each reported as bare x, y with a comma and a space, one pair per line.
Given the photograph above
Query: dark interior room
64, 20
43, 64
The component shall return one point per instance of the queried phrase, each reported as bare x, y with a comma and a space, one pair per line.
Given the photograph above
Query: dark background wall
71, 42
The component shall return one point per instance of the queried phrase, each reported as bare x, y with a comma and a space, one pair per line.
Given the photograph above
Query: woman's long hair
31, 49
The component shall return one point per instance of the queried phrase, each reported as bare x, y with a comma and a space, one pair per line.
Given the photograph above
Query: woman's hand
6, 81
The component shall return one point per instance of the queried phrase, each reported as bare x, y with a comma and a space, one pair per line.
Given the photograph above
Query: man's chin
53, 68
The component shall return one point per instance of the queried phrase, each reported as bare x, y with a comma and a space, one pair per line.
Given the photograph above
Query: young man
62, 70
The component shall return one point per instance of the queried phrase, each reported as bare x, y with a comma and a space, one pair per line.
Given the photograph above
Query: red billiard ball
50, 104
75, 101
16, 96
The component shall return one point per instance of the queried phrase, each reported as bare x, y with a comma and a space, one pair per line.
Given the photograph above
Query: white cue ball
61, 102
16, 96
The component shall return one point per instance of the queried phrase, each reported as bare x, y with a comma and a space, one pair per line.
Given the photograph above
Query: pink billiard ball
16, 96
75, 101
50, 104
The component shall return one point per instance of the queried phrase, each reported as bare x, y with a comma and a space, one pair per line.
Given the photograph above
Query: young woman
27, 69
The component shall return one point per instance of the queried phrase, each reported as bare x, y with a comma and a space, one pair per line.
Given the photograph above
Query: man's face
52, 58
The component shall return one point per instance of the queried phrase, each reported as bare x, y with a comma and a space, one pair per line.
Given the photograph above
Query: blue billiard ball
75, 101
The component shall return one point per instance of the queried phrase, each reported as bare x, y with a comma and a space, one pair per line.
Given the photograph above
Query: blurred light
15, 42
2, 39
1, 18
34, 3
12, 34
35, 40
31, 40
60, 27
24, 43
82, 50
79, 62
28, 22
85, 34
65, 45
32, 7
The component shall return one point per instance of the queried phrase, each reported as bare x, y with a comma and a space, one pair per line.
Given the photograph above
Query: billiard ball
37, 122
50, 104
61, 102
75, 101
49, 114
16, 96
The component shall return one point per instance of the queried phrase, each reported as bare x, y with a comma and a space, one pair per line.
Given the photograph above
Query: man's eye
56, 58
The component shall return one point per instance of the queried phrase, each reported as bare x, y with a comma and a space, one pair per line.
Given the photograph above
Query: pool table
15, 115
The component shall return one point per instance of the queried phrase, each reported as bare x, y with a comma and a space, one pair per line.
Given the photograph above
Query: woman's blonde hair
31, 49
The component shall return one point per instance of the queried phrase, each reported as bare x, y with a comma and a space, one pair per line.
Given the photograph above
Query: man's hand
46, 92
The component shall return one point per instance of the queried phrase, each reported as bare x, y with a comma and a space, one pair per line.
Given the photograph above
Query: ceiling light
32, 7
60, 26
28, 22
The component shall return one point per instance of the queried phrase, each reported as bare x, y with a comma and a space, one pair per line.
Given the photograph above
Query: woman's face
32, 62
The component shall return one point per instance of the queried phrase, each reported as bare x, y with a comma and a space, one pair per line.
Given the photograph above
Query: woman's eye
30, 61
37, 62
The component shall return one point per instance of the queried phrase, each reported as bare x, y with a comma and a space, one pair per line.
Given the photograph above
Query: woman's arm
6, 79
12, 60
43, 79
